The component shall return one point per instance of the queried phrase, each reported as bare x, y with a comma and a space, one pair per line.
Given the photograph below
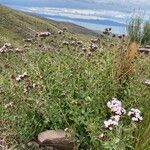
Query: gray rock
58, 139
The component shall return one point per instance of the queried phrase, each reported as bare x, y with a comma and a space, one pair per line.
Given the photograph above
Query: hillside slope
73, 28
15, 25
65, 81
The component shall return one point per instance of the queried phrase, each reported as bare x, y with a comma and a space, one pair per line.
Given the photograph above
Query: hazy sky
126, 3
118, 5
114, 8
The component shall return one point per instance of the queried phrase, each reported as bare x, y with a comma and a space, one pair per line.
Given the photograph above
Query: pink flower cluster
116, 108
113, 121
135, 114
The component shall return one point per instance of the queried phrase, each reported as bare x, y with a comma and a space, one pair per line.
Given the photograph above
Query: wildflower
108, 124
28, 87
9, 105
34, 85
60, 32
22, 76
116, 107
123, 111
135, 114
93, 47
113, 121
65, 43
147, 82
101, 135
134, 119
66, 129
114, 103
115, 118
18, 78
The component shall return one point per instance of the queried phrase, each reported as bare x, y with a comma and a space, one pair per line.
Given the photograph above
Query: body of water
90, 19
94, 26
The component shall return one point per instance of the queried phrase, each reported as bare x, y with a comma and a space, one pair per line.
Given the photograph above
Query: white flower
18, 78
147, 82
141, 118
135, 110
34, 85
116, 118
110, 128
24, 74
134, 119
113, 121
130, 113
101, 135
135, 114
21, 76
123, 111
106, 124
9, 105
66, 129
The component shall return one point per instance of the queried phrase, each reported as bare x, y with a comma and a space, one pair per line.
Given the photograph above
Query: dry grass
126, 61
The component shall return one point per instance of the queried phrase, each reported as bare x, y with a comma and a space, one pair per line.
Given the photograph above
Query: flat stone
58, 139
